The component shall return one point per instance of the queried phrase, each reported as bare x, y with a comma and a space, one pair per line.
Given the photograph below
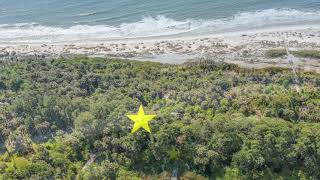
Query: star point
141, 120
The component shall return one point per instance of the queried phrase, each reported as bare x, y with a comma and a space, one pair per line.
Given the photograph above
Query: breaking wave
154, 26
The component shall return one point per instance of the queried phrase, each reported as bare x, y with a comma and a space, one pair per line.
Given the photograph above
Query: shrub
307, 53
275, 53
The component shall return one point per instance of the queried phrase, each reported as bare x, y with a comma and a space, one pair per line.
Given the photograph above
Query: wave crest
154, 26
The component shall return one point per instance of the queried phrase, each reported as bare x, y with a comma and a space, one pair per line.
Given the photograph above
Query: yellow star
141, 120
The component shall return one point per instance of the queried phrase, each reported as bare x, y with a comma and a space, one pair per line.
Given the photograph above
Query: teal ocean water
60, 20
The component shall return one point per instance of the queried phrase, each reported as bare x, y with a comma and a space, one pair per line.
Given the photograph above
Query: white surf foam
154, 26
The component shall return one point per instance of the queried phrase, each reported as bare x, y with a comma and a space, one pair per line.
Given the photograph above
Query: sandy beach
245, 48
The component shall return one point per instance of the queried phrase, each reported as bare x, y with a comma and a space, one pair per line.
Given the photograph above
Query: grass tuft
277, 53
307, 53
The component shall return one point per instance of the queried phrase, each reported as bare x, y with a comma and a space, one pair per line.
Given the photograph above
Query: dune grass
307, 53
276, 53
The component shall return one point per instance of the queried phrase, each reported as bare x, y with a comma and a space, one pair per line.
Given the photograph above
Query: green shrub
307, 53
275, 53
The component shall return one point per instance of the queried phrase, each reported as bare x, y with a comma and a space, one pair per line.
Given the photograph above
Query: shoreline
245, 48
180, 36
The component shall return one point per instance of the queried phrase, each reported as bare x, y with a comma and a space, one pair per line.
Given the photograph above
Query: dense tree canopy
66, 119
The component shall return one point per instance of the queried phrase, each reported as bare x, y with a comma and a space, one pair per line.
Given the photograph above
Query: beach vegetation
307, 53
66, 119
275, 53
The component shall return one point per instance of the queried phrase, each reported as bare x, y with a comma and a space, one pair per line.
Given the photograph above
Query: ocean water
78, 20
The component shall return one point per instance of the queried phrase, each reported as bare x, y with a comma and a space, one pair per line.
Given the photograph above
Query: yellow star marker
141, 120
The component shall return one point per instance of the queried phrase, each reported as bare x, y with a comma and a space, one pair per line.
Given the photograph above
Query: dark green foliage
275, 53
66, 119
308, 53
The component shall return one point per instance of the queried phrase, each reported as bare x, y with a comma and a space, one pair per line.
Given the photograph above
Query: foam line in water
153, 26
